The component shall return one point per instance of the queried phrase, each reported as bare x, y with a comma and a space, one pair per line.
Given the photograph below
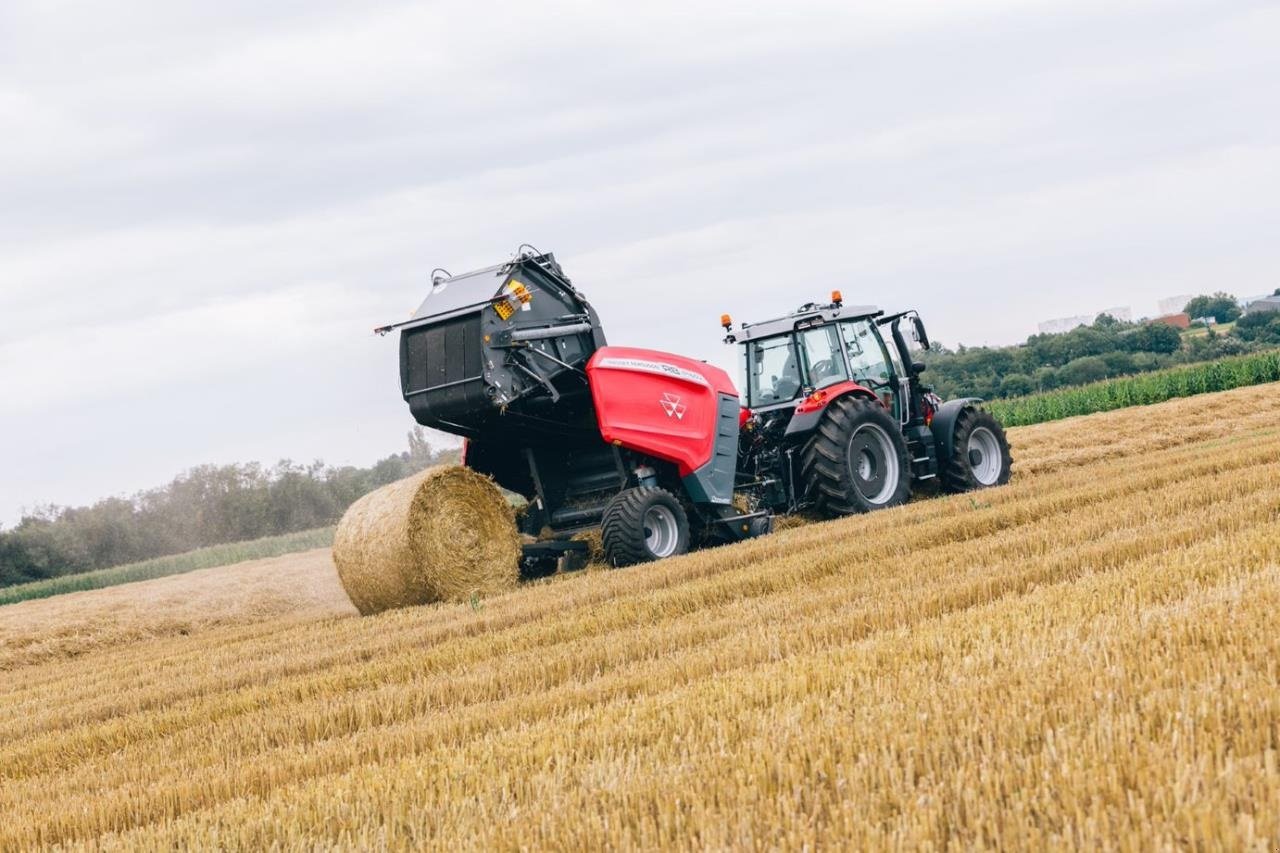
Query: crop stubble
1085, 656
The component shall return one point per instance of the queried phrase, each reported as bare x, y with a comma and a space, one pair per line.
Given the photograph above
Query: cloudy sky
207, 207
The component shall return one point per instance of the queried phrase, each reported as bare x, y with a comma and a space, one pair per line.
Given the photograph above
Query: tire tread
622, 526
955, 474
824, 468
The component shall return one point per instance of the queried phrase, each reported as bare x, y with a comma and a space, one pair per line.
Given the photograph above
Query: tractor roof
807, 315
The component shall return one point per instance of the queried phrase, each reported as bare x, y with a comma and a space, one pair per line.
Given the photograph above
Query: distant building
1204, 321
1266, 303
1178, 321
1063, 324
1123, 313
1174, 304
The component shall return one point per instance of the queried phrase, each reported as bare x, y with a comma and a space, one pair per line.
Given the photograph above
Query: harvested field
1087, 657
295, 587
211, 557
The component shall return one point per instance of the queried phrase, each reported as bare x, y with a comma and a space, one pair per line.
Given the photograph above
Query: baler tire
832, 477
642, 525
977, 430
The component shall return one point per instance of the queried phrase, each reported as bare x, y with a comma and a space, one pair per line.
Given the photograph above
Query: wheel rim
984, 455
874, 463
661, 532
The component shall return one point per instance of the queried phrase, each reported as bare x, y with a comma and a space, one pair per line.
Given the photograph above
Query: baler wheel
981, 457
642, 525
857, 459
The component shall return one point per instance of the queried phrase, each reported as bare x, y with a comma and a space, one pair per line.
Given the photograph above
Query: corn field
1087, 657
1111, 394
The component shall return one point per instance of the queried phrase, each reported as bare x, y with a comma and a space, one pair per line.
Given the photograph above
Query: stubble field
1086, 657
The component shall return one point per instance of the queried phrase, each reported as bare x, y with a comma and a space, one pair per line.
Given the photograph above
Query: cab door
873, 365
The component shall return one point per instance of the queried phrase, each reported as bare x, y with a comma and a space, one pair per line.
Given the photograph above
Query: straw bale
445, 534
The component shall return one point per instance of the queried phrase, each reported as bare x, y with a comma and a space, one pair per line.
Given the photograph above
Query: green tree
1046, 379
1016, 384
1144, 362
1259, 327
421, 454
1153, 337
1080, 371
1118, 363
206, 505
1223, 307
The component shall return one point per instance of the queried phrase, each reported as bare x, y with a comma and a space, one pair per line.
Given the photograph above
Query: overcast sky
207, 207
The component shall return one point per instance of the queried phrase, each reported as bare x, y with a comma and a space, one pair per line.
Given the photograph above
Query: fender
944, 425
811, 408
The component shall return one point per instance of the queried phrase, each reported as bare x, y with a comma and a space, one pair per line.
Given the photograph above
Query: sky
208, 206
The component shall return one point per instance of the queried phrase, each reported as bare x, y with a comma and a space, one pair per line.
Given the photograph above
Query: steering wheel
821, 370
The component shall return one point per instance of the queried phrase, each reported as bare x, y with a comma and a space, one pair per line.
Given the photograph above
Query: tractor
662, 453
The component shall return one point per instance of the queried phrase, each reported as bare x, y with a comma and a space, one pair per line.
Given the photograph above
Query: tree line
207, 505
1106, 349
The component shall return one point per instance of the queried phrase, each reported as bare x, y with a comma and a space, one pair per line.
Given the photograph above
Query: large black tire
980, 456
642, 525
857, 459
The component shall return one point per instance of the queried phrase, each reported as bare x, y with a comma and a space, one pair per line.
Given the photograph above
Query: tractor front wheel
857, 460
642, 525
980, 453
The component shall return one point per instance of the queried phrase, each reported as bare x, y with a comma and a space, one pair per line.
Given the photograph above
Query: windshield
773, 371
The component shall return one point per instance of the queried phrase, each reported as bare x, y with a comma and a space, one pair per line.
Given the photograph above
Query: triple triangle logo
673, 407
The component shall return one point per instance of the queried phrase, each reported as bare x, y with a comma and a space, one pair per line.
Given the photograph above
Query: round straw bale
445, 534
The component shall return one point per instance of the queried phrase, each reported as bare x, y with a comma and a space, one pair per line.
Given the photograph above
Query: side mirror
917, 325
918, 367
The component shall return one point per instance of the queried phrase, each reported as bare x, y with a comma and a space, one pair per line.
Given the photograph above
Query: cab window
773, 371
823, 358
867, 358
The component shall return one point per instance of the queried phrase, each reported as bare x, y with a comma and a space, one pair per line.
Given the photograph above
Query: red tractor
661, 452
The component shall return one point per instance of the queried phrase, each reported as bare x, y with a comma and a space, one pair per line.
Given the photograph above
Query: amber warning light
837, 298
726, 321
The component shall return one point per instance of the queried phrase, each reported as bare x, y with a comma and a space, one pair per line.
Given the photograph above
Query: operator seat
787, 386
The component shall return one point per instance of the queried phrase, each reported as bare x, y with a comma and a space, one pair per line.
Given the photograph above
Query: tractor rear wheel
857, 460
980, 455
642, 525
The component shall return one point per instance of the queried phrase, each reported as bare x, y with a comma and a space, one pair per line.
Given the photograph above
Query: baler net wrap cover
446, 534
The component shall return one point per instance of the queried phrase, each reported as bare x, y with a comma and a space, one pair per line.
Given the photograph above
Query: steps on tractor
923, 451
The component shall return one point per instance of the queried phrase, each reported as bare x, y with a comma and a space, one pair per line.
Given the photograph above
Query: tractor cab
837, 416
821, 349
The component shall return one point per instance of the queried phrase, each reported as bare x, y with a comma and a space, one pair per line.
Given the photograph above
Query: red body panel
657, 403
822, 398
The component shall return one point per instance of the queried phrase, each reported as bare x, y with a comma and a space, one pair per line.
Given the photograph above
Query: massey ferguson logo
673, 407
